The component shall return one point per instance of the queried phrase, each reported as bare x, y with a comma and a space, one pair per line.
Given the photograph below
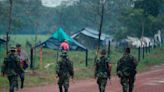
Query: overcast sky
52, 3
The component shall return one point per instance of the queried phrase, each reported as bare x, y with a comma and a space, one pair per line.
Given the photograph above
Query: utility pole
9, 26
102, 4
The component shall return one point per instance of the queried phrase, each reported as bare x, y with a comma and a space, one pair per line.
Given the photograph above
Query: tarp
57, 38
2, 41
91, 33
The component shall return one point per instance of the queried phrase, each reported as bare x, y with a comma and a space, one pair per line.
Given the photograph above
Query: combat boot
60, 89
66, 90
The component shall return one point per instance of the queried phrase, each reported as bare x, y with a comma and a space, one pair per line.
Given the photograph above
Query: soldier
23, 62
11, 67
102, 70
126, 71
64, 71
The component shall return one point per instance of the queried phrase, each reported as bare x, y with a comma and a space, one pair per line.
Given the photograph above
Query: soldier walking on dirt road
126, 71
102, 70
64, 70
11, 68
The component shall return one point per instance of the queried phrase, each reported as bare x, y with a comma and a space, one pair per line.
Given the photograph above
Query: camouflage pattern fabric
127, 83
126, 70
102, 72
126, 66
64, 81
102, 83
64, 70
12, 82
102, 67
11, 67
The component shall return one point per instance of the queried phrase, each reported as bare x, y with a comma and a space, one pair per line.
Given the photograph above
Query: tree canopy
125, 17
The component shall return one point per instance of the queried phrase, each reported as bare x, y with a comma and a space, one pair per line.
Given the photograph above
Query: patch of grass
156, 57
3, 83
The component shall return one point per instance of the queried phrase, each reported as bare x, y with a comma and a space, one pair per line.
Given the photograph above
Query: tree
142, 19
9, 26
150, 7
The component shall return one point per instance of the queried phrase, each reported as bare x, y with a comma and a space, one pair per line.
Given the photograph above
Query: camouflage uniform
64, 70
126, 70
102, 72
11, 67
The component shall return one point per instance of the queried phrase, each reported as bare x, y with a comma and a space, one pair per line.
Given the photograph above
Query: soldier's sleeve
118, 65
119, 73
72, 70
96, 67
57, 67
109, 67
135, 61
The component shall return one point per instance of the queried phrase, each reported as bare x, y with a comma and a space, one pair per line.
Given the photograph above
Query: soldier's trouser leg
102, 84
66, 84
60, 88
12, 82
61, 83
65, 89
22, 79
17, 83
125, 84
131, 83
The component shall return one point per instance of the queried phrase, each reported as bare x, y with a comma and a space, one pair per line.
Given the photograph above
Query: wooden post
139, 53
31, 58
149, 47
7, 42
86, 59
143, 52
154, 44
41, 56
146, 48
108, 49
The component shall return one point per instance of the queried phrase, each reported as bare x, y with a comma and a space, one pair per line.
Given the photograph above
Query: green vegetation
144, 18
44, 76
126, 17
156, 57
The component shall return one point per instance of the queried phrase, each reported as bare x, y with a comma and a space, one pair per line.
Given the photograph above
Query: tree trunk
9, 26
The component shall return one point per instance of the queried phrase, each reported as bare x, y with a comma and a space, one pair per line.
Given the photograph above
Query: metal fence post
31, 58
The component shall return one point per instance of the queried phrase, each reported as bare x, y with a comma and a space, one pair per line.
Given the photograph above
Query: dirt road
151, 81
